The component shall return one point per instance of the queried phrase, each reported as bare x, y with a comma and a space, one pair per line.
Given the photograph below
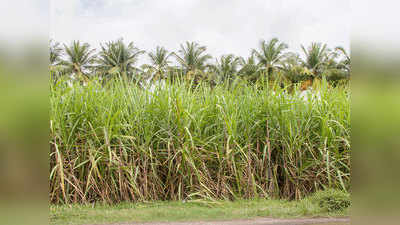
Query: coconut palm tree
345, 62
250, 69
317, 58
55, 53
79, 59
55, 56
192, 57
293, 69
226, 67
270, 55
159, 63
117, 58
337, 66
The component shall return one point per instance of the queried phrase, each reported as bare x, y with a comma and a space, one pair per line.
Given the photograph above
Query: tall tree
270, 55
192, 57
116, 57
293, 69
55, 52
159, 63
345, 61
317, 58
226, 67
79, 58
250, 69
337, 66
55, 59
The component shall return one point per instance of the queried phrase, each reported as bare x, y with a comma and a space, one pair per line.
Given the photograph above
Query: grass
193, 211
121, 143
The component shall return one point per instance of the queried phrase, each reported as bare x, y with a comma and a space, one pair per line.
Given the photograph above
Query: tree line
272, 60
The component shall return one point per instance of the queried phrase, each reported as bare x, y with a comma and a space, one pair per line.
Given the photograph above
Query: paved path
259, 221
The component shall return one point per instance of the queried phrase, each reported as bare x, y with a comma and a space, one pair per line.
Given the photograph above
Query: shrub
332, 200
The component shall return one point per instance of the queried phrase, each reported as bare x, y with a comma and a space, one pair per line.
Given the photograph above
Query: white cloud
24, 21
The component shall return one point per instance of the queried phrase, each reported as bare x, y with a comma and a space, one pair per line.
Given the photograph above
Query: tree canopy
272, 60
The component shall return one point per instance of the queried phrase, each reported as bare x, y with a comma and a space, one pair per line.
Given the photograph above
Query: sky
224, 26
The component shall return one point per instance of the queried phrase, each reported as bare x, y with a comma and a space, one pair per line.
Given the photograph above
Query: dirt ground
258, 221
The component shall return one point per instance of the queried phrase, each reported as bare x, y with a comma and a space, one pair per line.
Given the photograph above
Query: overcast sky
224, 26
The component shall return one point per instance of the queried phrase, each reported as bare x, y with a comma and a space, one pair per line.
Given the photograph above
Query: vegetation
190, 129
270, 55
79, 59
116, 58
272, 61
115, 142
190, 211
159, 64
332, 200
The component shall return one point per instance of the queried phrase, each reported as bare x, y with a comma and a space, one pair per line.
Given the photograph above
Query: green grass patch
196, 210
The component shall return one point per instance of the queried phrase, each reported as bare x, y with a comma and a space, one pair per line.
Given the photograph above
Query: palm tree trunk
124, 76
